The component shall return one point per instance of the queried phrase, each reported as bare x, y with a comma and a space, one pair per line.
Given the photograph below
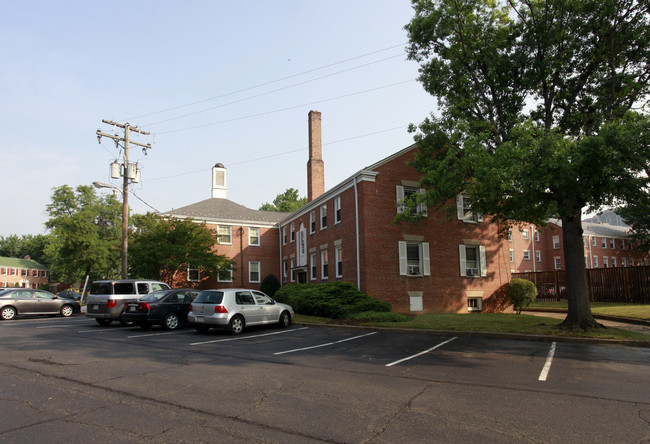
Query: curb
490, 335
603, 317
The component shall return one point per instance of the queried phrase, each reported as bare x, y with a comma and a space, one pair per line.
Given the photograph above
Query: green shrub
332, 300
270, 285
521, 293
380, 316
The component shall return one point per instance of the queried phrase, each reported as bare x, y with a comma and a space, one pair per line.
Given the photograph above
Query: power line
265, 83
268, 92
285, 109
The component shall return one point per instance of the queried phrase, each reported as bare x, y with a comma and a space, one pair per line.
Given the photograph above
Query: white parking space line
421, 353
58, 326
547, 365
323, 345
162, 333
249, 337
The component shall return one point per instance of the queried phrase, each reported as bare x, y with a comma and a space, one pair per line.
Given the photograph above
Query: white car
236, 308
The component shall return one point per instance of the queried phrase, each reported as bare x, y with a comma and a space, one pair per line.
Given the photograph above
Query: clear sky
213, 81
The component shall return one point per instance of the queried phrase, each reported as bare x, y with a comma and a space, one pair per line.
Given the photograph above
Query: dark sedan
168, 308
27, 301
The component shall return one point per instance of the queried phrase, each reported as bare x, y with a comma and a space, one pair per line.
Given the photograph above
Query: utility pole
125, 183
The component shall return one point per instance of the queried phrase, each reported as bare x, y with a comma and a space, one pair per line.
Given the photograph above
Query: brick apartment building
347, 234
25, 273
535, 248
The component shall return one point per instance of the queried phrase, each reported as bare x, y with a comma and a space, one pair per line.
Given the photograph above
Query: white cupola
219, 184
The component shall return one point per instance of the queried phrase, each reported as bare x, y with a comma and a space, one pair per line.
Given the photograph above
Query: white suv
107, 298
235, 308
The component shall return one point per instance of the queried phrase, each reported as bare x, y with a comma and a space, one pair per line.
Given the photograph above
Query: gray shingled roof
224, 210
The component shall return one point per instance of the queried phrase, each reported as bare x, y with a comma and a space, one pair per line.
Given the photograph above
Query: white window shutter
483, 262
399, 191
422, 207
459, 208
461, 255
402, 258
426, 262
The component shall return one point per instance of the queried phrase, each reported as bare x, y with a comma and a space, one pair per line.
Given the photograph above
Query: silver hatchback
236, 308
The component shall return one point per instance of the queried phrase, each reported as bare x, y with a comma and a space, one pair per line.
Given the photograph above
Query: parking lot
72, 380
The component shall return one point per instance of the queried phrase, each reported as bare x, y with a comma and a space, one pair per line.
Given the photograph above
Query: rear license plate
131, 308
95, 307
199, 320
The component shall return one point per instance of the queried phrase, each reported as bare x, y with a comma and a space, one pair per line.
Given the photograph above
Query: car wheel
201, 328
236, 325
124, 322
145, 325
285, 319
67, 310
171, 322
8, 313
104, 322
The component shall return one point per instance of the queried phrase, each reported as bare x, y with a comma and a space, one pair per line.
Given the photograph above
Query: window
403, 193
414, 259
254, 236
557, 261
224, 234
538, 256
623, 262
312, 222
337, 209
474, 304
512, 255
526, 255
622, 244
293, 232
631, 262
536, 236
293, 270
556, 242
524, 234
472, 260
338, 257
604, 244
193, 274
464, 209
225, 275
254, 271
323, 216
323, 264
312, 266
605, 262
593, 241
284, 235
285, 269
612, 243
595, 261
510, 234
614, 265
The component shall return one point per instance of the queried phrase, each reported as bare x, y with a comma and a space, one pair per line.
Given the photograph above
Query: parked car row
148, 303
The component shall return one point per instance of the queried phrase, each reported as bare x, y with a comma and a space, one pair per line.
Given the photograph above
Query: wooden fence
620, 284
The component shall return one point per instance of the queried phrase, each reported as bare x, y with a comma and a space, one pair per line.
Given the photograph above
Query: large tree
85, 234
26, 245
162, 248
540, 112
287, 202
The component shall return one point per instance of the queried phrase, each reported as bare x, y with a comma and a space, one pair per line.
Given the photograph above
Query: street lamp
125, 221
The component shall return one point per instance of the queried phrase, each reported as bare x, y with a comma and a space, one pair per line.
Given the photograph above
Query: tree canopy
541, 112
286, 202
26, 245
85, 234
162, 248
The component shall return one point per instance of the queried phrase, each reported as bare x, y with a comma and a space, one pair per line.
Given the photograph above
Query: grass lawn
635, 311
490, 322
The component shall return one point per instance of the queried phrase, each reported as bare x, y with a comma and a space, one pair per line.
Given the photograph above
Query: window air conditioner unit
413, 269
471, 271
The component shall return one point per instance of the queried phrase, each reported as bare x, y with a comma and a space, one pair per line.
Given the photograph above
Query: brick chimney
315, 166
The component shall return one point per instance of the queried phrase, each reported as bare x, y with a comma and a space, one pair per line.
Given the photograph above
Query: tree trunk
579, 313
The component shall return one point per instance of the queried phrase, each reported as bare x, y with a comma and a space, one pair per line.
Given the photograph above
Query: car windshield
154, 297
4, 292
209, 297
